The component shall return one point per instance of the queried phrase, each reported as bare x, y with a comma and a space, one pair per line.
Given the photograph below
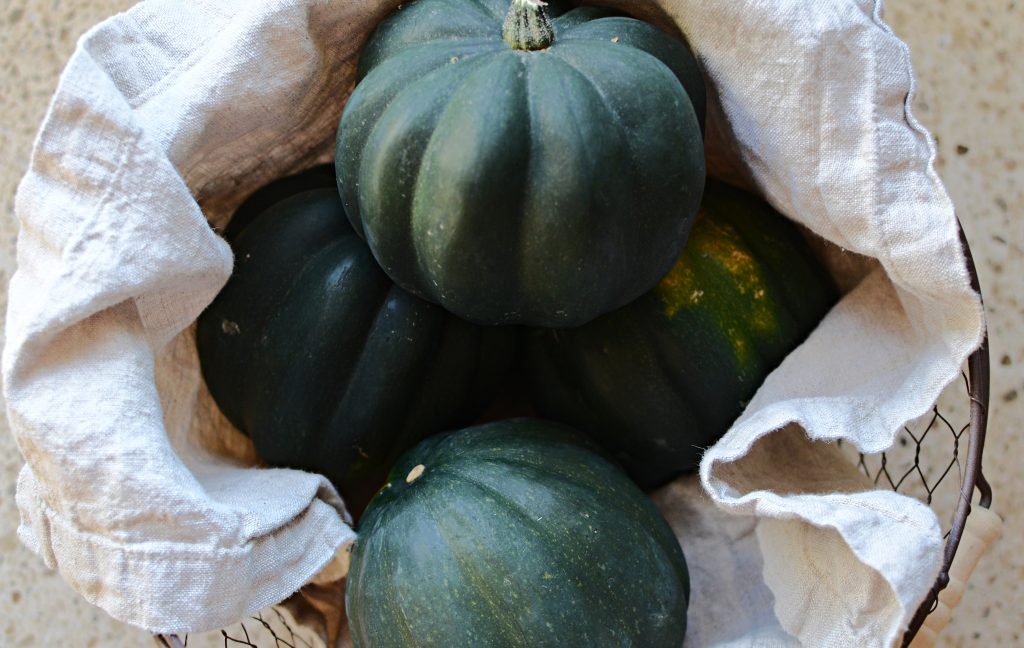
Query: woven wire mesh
926, 459
268, 629
286, 639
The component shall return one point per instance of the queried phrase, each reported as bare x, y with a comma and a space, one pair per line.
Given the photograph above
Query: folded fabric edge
907, 91
98, 566
761, 420
767, 505
776, 569
772, 418
824, 512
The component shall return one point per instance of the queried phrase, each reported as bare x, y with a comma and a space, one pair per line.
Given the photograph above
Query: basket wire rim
978, 387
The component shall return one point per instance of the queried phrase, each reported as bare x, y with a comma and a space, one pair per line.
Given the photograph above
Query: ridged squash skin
327, 365
522, 187
659, 381
514, 534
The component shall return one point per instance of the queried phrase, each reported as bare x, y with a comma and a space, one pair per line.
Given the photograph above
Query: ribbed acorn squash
514, 534
662, 379
327, 365
544, 172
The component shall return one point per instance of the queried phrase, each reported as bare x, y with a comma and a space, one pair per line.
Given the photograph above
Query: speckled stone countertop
971, 95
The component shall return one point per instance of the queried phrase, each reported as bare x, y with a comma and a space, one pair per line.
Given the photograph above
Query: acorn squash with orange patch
660, 380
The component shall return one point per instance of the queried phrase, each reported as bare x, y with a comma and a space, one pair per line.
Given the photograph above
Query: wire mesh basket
270, 630
936, 459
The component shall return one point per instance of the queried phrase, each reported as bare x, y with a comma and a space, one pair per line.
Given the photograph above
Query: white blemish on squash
415, 474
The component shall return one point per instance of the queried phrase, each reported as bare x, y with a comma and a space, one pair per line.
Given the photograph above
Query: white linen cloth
139, 492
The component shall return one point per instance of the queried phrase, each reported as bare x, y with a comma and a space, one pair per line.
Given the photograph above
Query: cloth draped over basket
168, 115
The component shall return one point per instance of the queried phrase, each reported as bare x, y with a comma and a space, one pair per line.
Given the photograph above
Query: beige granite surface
971, 95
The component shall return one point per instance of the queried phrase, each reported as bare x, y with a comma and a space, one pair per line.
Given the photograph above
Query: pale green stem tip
527, 26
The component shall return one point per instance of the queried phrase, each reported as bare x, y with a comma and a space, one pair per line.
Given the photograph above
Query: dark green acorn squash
521, 179
661, 380
318, 177
514, 534
327, 365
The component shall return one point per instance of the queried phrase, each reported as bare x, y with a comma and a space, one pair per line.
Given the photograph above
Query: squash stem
527, 26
